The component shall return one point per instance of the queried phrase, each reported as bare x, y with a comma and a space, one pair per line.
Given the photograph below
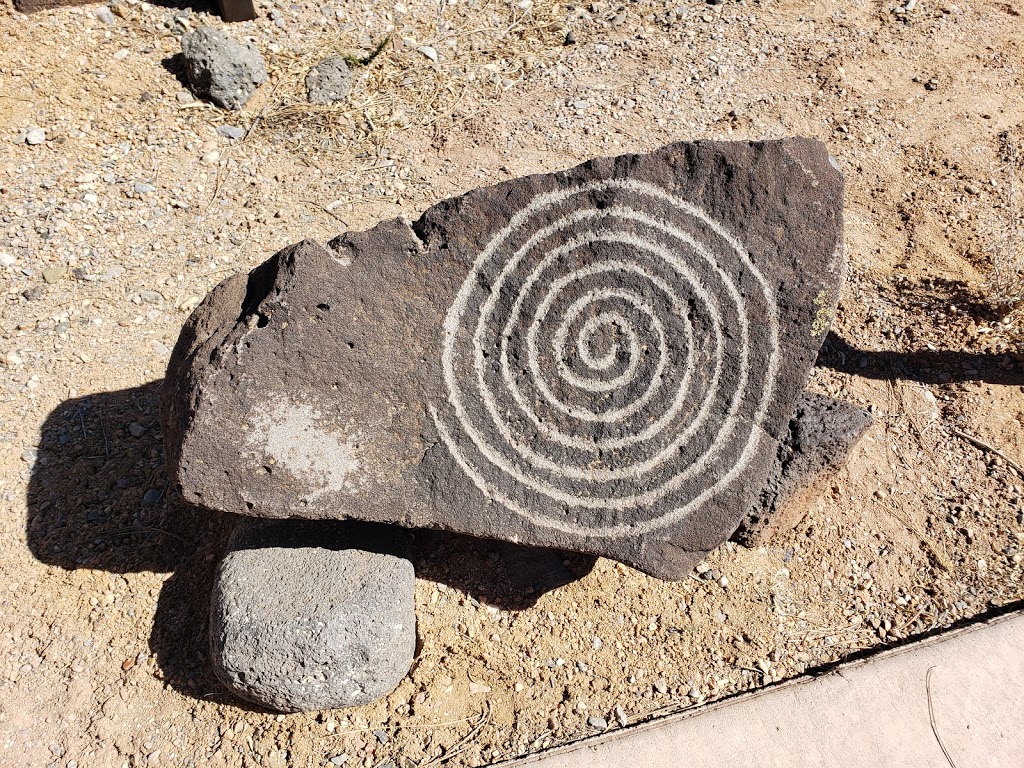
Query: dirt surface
133, 207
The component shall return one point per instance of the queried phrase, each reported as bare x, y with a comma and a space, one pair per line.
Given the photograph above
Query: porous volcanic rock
604, 359
310, 615
221, 69
822, 433
329, 81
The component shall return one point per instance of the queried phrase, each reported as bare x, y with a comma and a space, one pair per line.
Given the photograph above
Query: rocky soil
123, 201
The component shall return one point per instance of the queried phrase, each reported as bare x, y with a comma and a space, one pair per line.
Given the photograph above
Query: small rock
35, 136
597, 643
122, 54
210, 158
143, 189
428, 51
152, 496
620, 715
7, 260
597, 722
230, 131
339, 759
570, 38
52, 274
103, 14
184, 97
382, 736
478, 687
136, 429
329, 81
221, 69
660, 685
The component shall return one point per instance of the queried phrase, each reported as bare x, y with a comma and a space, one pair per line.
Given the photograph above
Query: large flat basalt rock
604, 359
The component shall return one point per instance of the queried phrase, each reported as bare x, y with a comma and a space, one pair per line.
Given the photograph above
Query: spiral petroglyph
583, 360
604, 359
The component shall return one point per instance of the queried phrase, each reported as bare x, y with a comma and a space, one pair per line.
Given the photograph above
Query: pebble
35, 136
598, 645
144, 189
136, 429
339, 759
52, 274
230, 131
211, 158
184, 97
428, 51
620, 715
122, 54
660, 685
103, 14
152, 496
382, 736
597, 722
7, 260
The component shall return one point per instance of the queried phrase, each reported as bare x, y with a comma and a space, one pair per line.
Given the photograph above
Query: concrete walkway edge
953, 700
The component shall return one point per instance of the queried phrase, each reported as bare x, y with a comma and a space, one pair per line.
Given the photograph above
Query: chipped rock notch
604, 360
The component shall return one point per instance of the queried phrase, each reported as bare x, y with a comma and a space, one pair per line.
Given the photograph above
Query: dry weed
482, 48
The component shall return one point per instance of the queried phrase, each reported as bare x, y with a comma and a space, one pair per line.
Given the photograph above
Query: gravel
81, 350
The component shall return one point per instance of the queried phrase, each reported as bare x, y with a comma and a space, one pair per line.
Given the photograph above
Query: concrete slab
954, 700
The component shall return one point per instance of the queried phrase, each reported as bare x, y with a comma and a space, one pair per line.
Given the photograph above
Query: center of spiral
601, 332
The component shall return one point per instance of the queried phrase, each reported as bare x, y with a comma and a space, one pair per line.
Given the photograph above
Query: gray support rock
602, 360
313, 615
221, 69
822, 433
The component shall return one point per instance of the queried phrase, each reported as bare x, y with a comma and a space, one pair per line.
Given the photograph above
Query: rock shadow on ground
99, 498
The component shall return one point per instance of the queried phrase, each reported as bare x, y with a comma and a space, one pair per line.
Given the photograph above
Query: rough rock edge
822, 434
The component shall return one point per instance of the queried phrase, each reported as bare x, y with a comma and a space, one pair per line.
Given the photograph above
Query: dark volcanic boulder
604, 359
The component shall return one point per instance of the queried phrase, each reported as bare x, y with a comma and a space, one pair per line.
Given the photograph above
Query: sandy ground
134, 207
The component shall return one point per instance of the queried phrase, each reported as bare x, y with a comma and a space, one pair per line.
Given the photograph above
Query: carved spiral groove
608, 361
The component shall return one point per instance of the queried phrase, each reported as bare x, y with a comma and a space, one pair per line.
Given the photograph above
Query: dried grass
483, 48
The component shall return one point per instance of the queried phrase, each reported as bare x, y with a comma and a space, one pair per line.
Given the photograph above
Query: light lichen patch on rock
294, 436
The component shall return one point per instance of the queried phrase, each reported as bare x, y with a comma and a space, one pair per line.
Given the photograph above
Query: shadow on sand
99, 497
